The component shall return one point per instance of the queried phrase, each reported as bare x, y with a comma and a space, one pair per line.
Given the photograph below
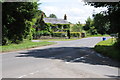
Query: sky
76, 10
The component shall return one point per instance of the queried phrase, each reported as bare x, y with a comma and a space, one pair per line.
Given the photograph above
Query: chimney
65, 17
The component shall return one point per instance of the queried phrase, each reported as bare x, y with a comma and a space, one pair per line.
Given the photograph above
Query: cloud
76, 10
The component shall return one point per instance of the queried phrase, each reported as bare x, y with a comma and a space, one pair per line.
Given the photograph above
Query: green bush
5, 41
29, 30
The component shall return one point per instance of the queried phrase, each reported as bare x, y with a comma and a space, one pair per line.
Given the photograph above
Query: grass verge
59, 39
98, 35
107, 48
24, 45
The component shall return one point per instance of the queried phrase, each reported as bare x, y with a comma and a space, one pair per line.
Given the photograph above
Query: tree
16, 18
89, 26
113, 14
89, 23
92, 30
76, 27
101, 23
52, 16
40, 25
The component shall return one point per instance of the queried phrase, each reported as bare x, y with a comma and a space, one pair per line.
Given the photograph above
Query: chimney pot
65, 17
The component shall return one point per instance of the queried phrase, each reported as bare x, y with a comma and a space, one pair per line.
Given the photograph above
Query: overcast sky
76, 10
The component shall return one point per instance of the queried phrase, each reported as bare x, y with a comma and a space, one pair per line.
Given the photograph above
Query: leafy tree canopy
89, 23
52, 16
113, 14
16, 20
101, 23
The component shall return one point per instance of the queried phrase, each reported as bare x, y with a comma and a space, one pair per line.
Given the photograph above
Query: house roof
55, 21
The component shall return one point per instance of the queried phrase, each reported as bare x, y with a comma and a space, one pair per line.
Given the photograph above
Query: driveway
66, 59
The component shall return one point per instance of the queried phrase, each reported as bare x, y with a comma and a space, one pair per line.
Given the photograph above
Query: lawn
107, 48
24, 45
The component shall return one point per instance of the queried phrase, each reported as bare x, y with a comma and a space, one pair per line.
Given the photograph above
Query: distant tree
92, 30
89, 26
89, 23
77, 27
52, 16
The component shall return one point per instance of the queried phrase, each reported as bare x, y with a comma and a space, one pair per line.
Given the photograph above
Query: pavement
66, 59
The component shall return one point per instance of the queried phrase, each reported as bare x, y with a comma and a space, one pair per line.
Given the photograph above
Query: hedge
75, 34
55, 34
59, 34
64, 34
38, 34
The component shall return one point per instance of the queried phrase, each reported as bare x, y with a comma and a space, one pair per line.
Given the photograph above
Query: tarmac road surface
66, 59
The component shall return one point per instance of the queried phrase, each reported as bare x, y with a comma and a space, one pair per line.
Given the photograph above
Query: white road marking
34, 72
28, 74
67, 62
82, 57
22, 76
100, 55
76, 59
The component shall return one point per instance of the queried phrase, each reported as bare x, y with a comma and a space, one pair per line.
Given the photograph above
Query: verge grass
98, 35
59, 39
24, 45
107, 48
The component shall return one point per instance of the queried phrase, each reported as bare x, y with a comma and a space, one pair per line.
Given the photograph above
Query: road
66, 59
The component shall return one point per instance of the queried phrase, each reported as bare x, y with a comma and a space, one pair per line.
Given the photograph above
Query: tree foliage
113, 14
89, 23
77, 27
52, 16
17, 19
101, 23
89, 26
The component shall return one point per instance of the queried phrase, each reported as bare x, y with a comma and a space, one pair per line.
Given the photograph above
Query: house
54, 27
57, 25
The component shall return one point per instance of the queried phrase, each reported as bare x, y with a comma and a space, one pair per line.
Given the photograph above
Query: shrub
4, 40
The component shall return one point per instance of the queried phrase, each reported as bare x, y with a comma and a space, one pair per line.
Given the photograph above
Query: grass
24, 45
107, 48
98, 35
59, 39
